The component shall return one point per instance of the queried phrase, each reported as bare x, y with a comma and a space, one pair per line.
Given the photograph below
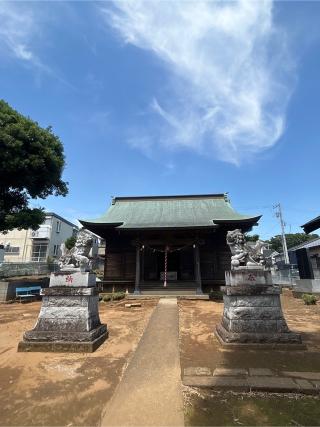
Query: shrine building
167, 244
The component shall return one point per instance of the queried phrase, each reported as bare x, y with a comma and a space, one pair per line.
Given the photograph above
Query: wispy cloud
231, 75
17, 28
22, 30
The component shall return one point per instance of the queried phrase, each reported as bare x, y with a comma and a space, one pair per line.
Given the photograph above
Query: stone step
167, 292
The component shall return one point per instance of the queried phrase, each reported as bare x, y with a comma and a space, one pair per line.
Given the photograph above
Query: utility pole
282, 224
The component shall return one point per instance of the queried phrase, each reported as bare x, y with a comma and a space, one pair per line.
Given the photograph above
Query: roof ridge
304, 243
165, 197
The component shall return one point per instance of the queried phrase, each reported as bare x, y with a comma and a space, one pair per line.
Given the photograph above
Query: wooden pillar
142, 266
137, 282
197, 268
105, 263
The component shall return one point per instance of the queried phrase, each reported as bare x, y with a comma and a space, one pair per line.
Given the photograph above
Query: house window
12, 250
39, 252
55, 250
58, 226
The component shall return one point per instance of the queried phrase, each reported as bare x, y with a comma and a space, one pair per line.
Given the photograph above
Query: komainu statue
77, 258
242, 253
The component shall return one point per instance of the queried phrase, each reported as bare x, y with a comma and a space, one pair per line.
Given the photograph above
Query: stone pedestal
69, 316
252, 310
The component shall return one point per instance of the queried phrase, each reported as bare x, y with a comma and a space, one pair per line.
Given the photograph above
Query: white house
37, 245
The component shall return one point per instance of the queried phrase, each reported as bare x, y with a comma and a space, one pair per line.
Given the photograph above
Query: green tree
70, 242
31, 165
292, 240
252, 237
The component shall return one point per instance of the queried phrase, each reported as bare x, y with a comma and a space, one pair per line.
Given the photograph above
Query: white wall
47, 234
57, 238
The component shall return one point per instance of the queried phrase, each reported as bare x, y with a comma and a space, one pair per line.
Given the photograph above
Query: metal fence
12, 269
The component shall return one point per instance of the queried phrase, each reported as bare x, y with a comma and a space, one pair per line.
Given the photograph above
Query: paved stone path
150, 391
254, 379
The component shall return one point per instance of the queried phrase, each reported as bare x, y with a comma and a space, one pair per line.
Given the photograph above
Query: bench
28, 293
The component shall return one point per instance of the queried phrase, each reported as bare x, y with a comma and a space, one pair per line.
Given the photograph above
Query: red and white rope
165, 266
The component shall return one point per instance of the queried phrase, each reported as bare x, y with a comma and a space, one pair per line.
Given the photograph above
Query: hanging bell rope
165, 266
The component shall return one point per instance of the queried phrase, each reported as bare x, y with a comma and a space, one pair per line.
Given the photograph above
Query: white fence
285, 277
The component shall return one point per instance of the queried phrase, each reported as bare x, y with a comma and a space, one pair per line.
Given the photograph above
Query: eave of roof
170, 212
312, 225
309, 244
61, 219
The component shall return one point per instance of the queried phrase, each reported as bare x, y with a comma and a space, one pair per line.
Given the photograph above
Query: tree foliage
292, 240
70, 242
31, 165
252, 237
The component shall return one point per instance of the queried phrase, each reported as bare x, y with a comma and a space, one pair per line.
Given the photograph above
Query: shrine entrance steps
172, 288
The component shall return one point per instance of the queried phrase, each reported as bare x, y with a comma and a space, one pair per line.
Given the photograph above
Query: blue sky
167, 97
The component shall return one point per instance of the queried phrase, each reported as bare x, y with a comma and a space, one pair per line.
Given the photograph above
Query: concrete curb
254, 379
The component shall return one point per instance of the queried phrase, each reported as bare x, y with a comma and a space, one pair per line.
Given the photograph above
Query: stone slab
245, 290
68, 291
252, 313
304, 384
74, 279
273, 384
260, 372
63, 335
62, 347
230, 372
304, 375
223, 382
252, 300
288, 341
199, 370
256, 383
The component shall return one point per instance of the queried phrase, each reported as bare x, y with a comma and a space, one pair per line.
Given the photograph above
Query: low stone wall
306, 286
13, 269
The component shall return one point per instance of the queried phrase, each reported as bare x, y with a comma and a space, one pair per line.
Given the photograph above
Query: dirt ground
54, 389
199, 346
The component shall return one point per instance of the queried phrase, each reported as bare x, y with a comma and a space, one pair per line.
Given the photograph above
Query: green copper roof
170, 212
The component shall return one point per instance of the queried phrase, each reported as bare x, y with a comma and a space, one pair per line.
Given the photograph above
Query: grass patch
309, 299
114, 296
233, 409
216, 295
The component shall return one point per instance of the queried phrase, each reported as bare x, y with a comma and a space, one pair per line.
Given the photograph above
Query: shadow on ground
55, 389
199, 346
